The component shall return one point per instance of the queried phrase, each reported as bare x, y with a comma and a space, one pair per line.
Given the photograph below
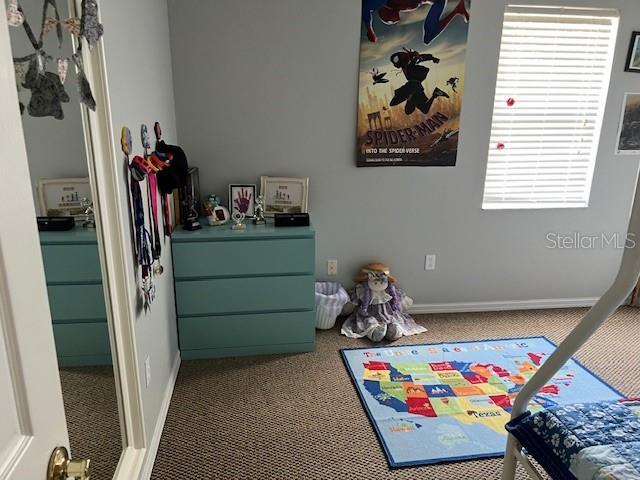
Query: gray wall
139, 74
55, 147
269, 88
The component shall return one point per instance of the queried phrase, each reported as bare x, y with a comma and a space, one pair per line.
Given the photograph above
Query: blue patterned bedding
584, 441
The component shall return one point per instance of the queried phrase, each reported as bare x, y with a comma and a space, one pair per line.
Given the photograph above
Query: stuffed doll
377, 307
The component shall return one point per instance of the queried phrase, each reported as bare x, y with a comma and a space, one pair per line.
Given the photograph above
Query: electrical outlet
430, 262
332, 267
147, 371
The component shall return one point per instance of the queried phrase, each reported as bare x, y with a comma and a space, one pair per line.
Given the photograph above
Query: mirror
70, 249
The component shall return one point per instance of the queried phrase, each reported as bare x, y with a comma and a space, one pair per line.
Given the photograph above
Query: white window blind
553, 78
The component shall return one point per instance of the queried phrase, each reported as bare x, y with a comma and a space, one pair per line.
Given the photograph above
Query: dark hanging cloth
175, 175
47, 97
47, 92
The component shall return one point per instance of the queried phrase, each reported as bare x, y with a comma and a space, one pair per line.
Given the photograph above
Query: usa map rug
450, 401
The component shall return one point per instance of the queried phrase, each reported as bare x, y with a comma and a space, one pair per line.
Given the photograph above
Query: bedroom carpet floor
298, 416
91, 407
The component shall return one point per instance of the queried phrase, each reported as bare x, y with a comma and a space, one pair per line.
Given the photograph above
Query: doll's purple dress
384, 308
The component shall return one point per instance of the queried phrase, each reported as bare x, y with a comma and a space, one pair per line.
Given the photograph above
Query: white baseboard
154, 442
463, 307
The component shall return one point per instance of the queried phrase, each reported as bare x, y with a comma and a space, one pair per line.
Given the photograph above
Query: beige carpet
91, 408
299, 417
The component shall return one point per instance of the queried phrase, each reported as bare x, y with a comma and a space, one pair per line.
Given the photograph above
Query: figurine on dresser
377, 307
259, 209
89, 214
216, 213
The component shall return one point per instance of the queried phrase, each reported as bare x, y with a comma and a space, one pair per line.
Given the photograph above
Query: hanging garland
47, 87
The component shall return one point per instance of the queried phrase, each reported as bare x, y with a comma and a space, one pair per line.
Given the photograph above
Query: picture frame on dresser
63, 196
284, 194
242, 198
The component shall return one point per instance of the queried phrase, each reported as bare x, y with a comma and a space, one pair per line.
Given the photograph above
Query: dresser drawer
229, 331
82, 339
245, 295
72, 303
243, 257
71, 263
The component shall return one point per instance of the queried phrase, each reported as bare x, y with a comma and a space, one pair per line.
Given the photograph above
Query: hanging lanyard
127, 147
154, 165
143, 240
156, 248
142, 234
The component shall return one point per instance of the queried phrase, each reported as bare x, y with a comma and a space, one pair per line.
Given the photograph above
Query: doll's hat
363, 275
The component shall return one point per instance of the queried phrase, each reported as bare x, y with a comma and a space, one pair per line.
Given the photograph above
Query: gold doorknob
61, 467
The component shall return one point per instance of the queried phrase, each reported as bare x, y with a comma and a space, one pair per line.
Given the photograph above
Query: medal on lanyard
152, 201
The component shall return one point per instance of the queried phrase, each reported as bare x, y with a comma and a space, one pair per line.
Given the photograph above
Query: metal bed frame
623, 284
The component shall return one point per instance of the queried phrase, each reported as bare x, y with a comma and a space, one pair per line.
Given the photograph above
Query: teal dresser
244, 292
76, 298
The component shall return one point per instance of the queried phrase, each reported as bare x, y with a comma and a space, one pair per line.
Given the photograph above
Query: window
553, 78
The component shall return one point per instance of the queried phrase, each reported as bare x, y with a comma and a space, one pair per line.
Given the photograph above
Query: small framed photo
633, 57
629, 130
242, 199
284, 194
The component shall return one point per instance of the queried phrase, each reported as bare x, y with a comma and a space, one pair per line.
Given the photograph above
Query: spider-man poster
411, 81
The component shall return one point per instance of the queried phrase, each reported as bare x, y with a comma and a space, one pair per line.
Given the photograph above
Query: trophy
259, 209
238, 218
190, 201
191, 222
89, 221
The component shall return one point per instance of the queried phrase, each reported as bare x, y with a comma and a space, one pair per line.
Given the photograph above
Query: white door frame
106, 166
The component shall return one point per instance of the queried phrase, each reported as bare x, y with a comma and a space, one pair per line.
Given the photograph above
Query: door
33, 421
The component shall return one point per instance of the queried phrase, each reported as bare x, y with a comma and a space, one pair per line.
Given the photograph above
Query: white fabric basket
330, 298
